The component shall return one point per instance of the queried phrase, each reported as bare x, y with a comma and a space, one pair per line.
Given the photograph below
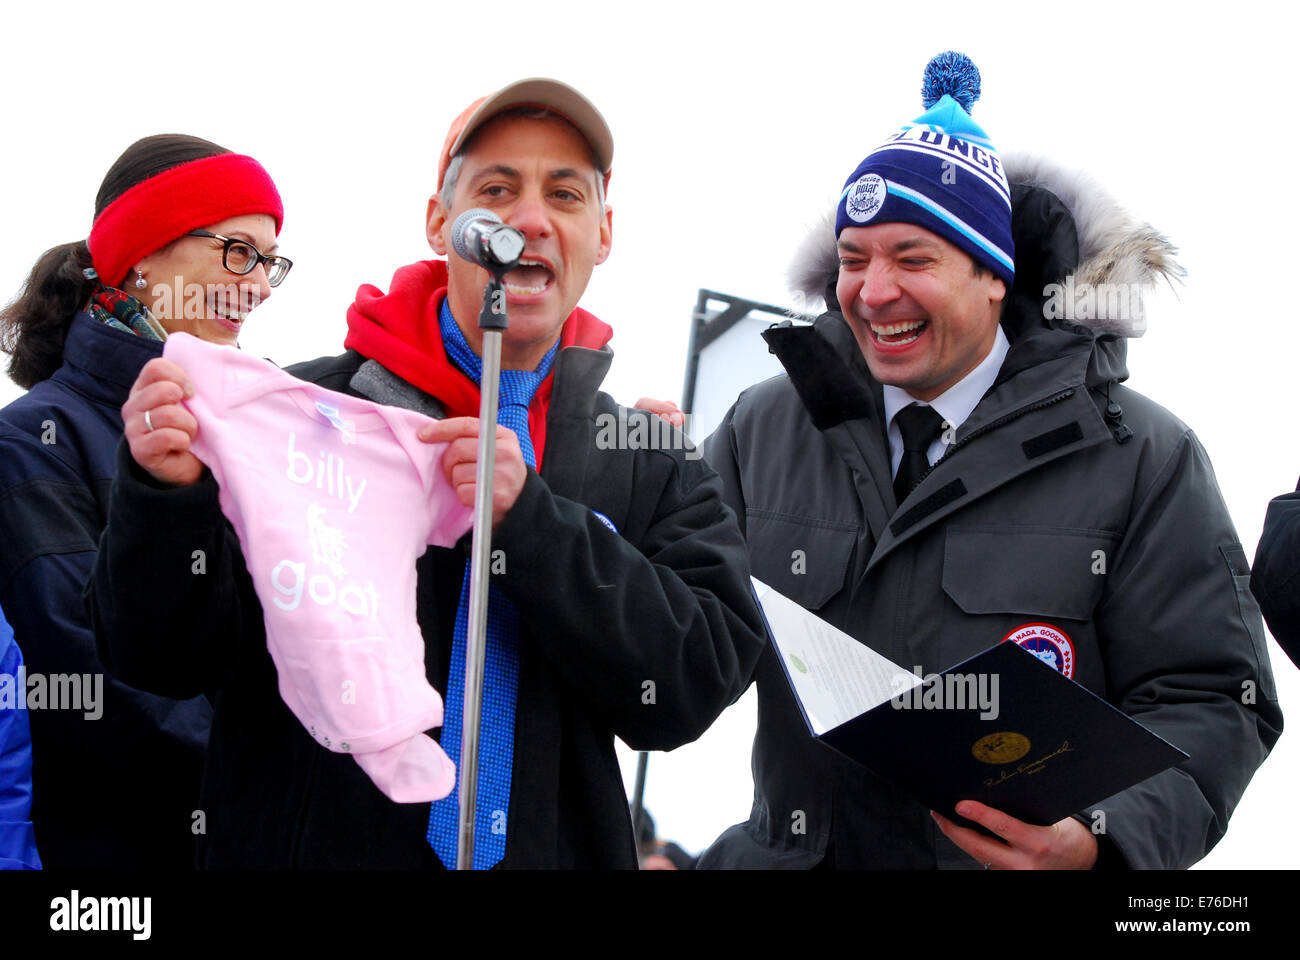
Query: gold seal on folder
1002, 747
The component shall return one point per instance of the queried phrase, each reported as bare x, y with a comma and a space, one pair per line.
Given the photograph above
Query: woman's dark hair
35, 324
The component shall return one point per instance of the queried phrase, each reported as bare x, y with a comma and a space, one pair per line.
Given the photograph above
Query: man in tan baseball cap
621, 569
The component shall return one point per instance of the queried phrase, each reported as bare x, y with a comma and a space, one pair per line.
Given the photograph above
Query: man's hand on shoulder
1066, 845
460, 462
664, 409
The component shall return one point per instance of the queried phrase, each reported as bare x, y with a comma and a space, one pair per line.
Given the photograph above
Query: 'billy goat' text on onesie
333, 498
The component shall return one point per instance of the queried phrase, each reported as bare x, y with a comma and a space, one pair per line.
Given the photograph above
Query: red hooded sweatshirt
399, 329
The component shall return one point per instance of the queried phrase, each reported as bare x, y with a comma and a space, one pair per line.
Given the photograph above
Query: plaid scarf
121, 311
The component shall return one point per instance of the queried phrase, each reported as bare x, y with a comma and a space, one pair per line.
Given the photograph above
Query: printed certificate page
835, 677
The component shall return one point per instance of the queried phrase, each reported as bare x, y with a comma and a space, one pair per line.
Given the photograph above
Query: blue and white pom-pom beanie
940, 172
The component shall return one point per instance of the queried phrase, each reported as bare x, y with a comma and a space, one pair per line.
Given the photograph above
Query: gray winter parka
1067, 498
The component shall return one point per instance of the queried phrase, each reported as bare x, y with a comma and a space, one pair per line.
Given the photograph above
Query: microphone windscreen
459, 242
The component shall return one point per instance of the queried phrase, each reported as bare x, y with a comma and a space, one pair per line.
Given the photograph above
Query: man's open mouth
529, 278
898, 334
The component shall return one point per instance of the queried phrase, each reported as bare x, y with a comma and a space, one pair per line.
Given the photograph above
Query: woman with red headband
184, 238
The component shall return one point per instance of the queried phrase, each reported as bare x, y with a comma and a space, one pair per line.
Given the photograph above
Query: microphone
480, 237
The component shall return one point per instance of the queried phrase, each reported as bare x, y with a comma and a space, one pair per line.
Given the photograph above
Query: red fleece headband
156, 211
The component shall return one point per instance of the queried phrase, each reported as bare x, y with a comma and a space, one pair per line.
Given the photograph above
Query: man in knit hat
951, 464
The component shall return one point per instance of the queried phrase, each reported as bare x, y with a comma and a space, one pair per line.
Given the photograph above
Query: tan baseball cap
555, 96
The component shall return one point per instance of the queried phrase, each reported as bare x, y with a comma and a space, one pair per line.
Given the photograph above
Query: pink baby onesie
334, 498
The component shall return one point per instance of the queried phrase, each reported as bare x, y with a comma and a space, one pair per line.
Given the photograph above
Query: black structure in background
707, 327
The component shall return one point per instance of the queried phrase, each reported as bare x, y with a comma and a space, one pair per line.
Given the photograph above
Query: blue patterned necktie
501, 661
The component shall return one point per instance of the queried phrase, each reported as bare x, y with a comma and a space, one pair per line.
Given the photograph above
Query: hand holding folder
1002, 728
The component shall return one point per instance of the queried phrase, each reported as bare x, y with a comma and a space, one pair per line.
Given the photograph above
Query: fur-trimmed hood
1110, 248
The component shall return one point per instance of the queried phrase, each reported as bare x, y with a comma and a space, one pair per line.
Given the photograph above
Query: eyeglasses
241, 257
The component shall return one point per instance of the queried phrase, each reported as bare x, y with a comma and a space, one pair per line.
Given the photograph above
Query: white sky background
734, 126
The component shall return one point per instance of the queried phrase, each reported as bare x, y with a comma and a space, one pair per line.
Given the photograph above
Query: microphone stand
638, 799
492, 321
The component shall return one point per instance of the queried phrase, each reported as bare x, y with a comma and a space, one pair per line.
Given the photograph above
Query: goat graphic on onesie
333, 498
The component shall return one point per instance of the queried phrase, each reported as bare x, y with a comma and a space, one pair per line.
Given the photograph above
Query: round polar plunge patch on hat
865, 197
1047, 643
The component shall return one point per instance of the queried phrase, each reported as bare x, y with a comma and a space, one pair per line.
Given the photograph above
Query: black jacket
1060, 466
647, 634
117, 791
1275, 579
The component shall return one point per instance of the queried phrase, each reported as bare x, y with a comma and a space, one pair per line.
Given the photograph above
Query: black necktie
920, 427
